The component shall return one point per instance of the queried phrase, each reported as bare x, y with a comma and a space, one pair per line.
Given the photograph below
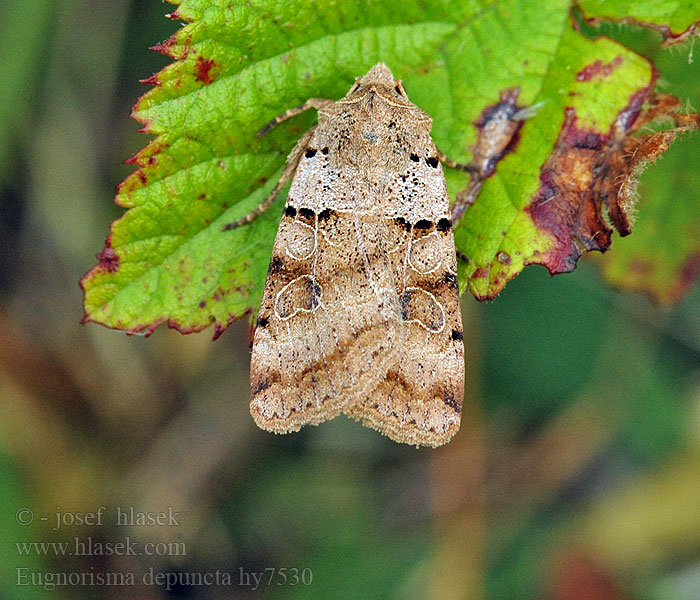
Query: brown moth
361, 311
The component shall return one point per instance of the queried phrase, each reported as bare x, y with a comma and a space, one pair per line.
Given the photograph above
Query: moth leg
469, 167
292, 160
463, 199
317, 103
288, 173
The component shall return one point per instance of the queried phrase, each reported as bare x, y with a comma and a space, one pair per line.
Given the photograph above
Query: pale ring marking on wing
286, 294
298, 244
432, 300
426, 247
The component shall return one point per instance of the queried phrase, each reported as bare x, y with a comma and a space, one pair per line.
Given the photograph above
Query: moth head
380, 80
379, 74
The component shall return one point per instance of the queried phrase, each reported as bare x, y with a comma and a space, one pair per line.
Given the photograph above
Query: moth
361, 313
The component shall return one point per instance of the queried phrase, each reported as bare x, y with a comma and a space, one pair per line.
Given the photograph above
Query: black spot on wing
262, 385
449, 399
401, 222
276, 265
444, 224
306, 213
451, 280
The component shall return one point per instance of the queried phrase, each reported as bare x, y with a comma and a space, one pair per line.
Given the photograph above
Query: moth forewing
360, 312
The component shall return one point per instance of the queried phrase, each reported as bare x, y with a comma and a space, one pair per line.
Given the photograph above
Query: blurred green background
576, 474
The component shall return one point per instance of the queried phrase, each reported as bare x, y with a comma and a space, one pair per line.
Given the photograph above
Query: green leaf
238, 65
499, 233
676, 20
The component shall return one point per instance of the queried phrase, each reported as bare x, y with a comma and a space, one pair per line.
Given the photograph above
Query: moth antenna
259, 209
287, 174
317, 103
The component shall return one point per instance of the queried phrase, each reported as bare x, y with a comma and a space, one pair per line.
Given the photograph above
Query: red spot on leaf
480, 273
598, 70
109, 259
147, 155
203, 69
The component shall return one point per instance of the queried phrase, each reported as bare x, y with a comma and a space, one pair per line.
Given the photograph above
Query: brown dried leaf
589, 171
